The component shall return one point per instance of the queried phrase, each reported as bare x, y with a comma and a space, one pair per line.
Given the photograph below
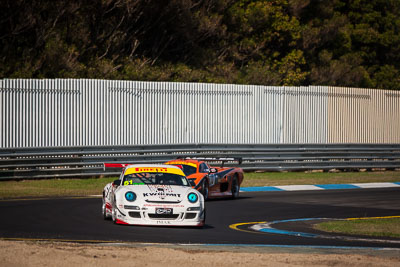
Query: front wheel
104, 211
205, 189
235, 187
114, 216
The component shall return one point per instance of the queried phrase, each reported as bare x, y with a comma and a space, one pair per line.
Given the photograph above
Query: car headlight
193, 197
130, 196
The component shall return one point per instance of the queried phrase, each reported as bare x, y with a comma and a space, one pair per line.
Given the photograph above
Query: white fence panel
83, 112
363, 116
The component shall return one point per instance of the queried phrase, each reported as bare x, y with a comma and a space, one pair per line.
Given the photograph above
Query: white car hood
157, 193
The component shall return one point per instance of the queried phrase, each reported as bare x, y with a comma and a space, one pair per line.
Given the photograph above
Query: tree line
353, 43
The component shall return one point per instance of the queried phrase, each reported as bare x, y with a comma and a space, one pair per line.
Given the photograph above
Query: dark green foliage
266, 42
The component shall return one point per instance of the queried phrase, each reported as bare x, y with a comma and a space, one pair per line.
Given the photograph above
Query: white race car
152, 195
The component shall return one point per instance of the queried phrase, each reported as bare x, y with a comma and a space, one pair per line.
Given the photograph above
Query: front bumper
147, 215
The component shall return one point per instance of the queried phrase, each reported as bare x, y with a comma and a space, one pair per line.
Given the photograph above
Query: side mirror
213, 170
192, 183
117, 182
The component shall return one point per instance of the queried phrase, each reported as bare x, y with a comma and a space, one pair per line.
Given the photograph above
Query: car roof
195, 161
151, 166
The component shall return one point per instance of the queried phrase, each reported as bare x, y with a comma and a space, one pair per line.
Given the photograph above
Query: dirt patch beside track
31, 253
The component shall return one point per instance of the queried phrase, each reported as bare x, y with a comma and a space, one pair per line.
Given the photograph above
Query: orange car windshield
188, 170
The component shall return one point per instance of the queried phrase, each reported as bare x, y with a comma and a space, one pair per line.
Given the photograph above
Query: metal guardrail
80, 162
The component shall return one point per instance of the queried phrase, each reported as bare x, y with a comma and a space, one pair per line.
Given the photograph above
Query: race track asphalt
81, 219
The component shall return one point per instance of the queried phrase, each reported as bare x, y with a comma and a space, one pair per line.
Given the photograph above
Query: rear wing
222, 159
115, 165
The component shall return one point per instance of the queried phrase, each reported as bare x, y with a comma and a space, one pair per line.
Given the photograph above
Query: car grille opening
163, 216
190, 215
134, 214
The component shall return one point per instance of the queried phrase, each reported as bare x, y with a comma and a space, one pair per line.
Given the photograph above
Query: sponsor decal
150, 169
159, 187
164, 211
163, 222
130, 182
161, 194
164, 206
154, 169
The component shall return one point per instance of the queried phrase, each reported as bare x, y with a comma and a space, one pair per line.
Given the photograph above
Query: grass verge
376, 227
300, 178
85, 187
53, 187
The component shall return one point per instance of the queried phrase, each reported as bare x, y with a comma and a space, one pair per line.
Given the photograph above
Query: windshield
188, 170
154, 178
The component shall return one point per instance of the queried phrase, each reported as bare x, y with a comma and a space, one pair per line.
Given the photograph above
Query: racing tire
205, 189
113, 217
103, 210
106, 216
235, 187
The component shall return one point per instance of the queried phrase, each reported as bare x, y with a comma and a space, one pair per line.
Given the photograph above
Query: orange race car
212, 182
